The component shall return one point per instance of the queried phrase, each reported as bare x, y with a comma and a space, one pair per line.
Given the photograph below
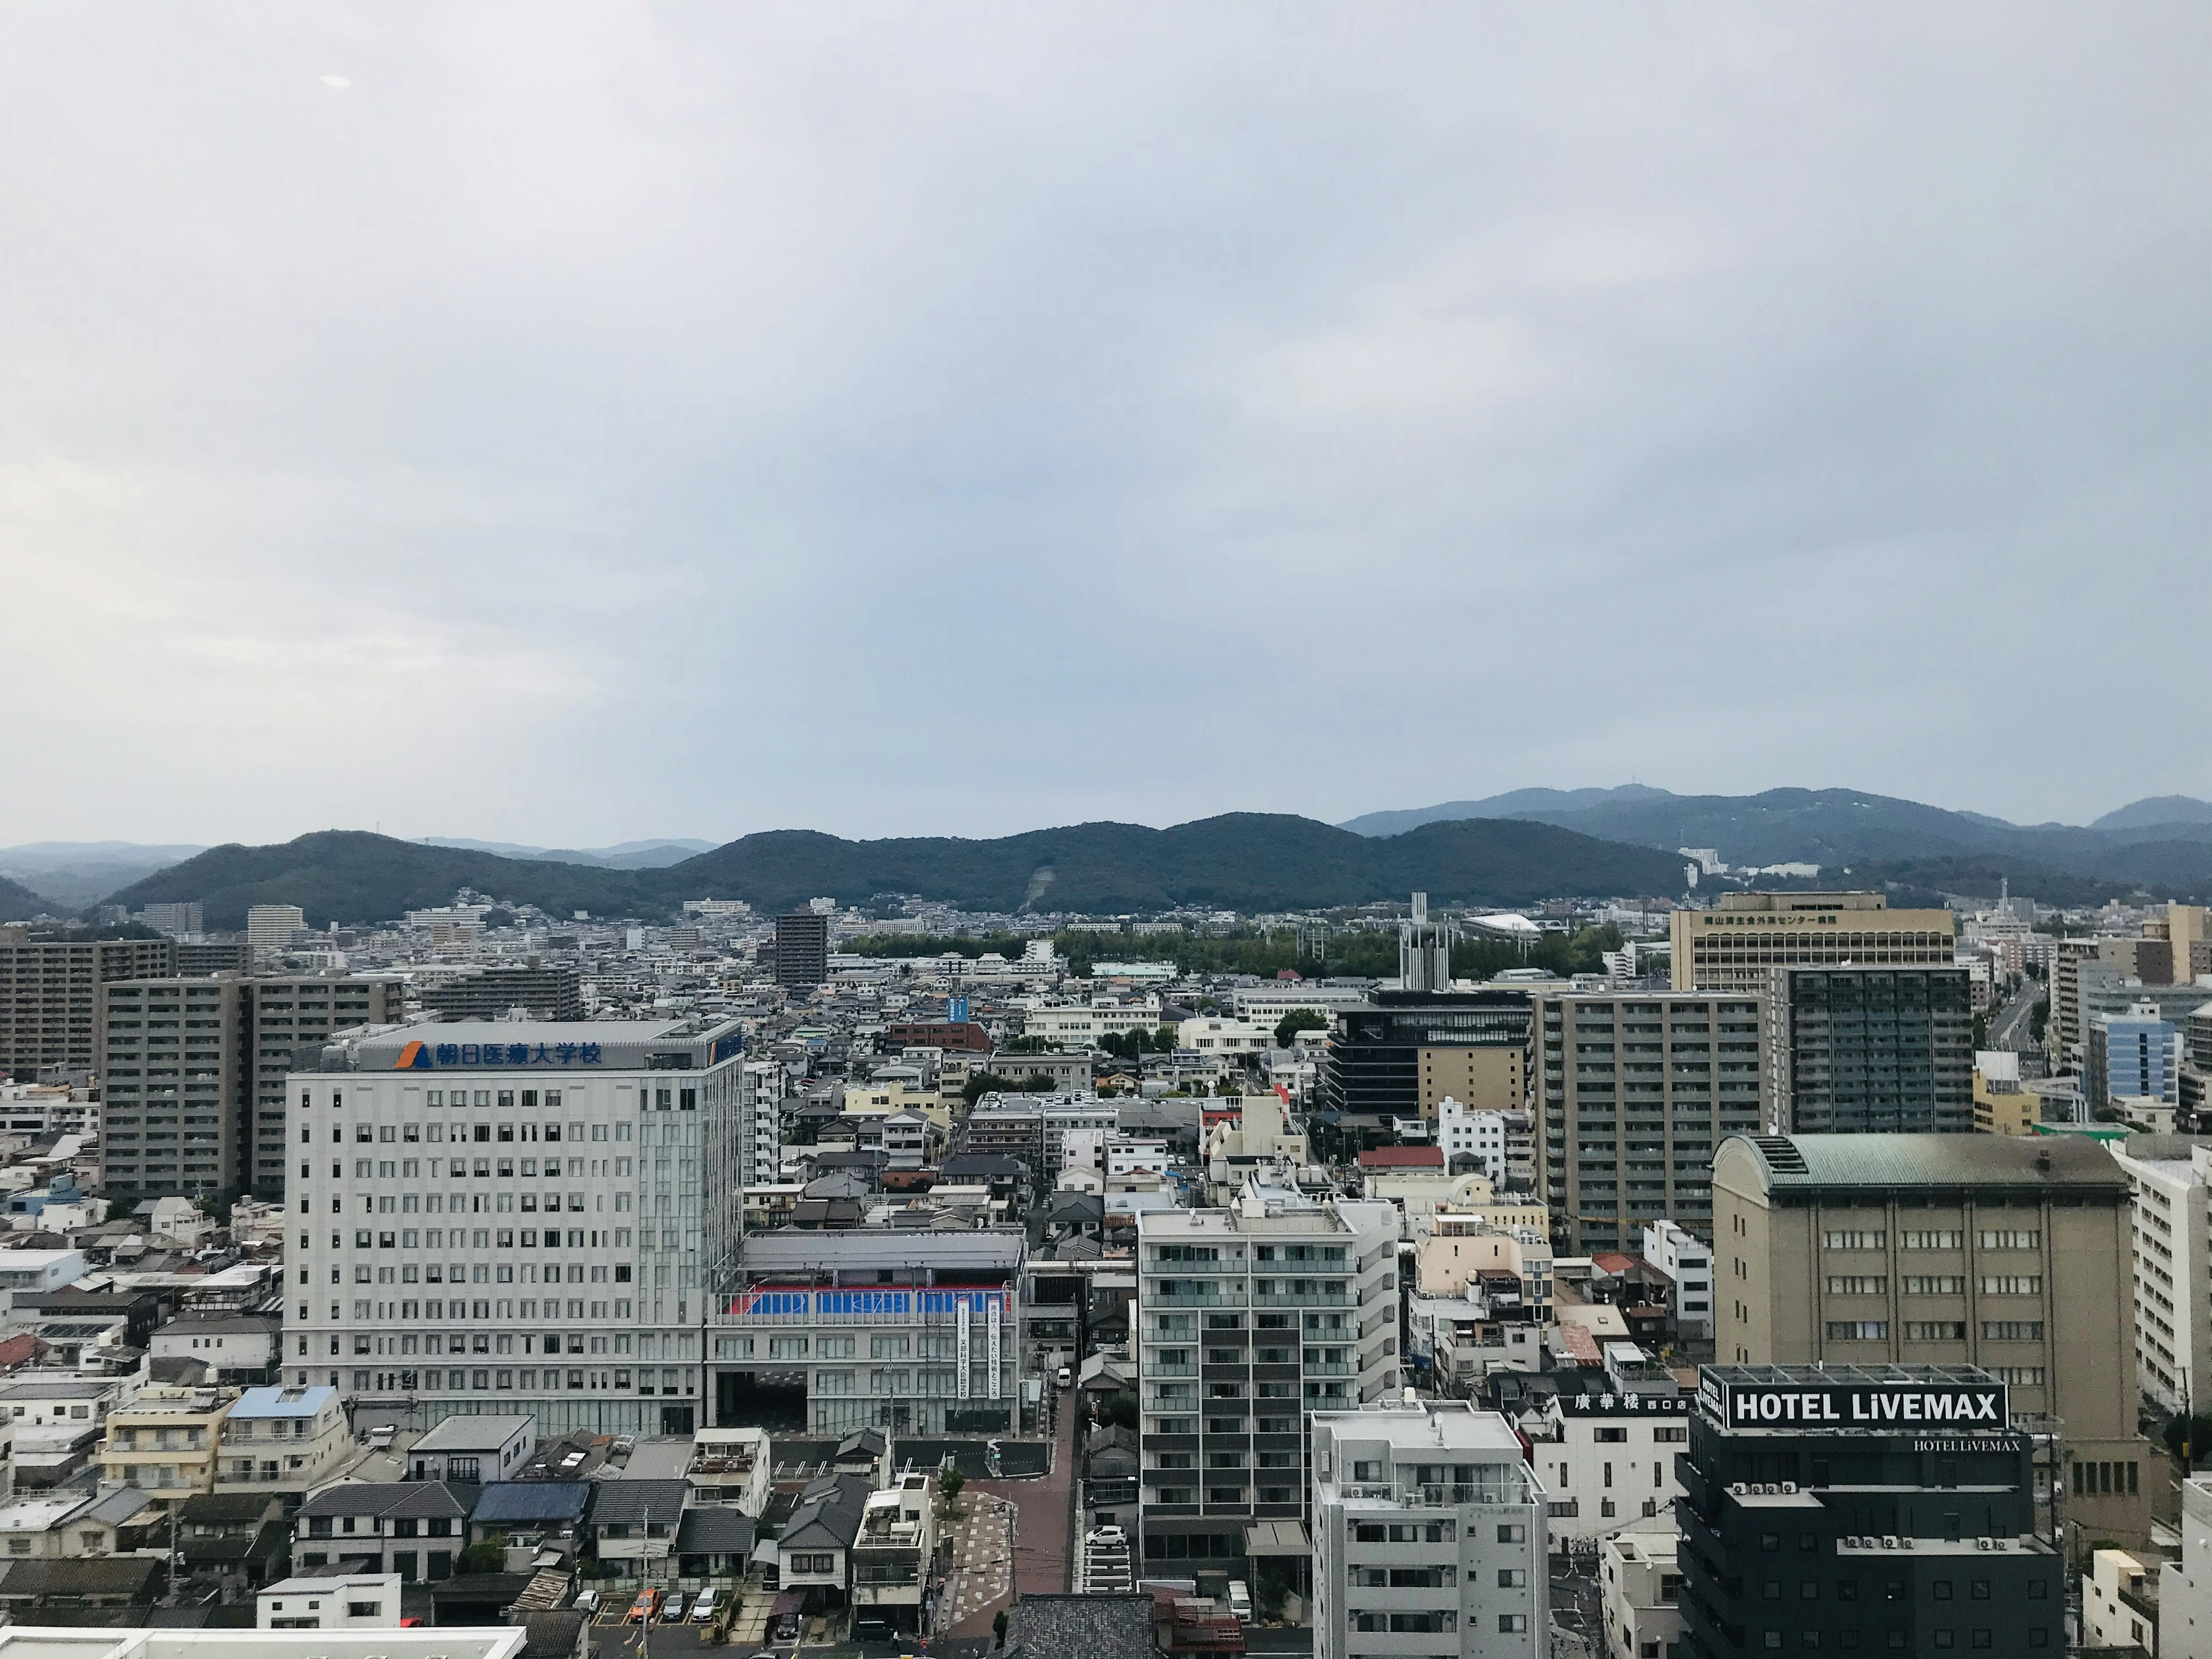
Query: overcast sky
566, 423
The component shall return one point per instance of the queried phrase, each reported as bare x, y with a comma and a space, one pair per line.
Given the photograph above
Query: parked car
587, 1601
1109, 1538
671, 1610
641, 1610
1064, 1377
703, 1609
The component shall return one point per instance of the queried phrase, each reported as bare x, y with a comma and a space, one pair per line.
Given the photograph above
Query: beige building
1731, 946
1480, 1079
2010, 1253
166, 1442
2002, 1107
1637, 1089
50, 994
1466, 1247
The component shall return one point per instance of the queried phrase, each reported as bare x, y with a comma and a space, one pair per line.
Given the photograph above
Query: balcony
1207, 1296
1164, 1367
1314, 1298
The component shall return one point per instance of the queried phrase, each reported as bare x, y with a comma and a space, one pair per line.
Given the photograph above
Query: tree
980, 1084
949, 1485
998, 1628
2195, 1432
1038, 1083
1027, 1045
487, 1555
1298, 1020
1116, 1411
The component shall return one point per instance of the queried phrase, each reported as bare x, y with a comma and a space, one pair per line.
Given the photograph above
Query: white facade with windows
1461, 1133
2171, 1241
1607, 1459
1687, 1261
1428, 1535
540, 1232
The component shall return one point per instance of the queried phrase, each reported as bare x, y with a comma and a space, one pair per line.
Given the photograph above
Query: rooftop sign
1816, 1405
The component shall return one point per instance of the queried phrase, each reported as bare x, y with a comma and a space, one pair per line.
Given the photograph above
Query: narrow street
1016, 1539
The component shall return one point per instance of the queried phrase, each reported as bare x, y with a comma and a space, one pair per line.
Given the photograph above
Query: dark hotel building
1861, 1508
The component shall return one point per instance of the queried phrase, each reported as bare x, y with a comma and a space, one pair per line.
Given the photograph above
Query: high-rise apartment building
1869, 1050
802, 950
1863, 1509
194, 1071
1248, 1318
539, 990
1428, 1535
1399, 1054
1730, 946
294, 1012
2012, 1253
179, 918
269, 928
1635, 1092
50, 995
195, 960
526, 1217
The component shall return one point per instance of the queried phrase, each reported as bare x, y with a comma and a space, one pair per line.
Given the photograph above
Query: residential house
283, 1439
166, 1442
634, 1523
412, 1527
714, 1543
238, 1348
532, 1512
813, 1554
478, 1447
65, 1526
239, 1535
894, 1555
730, 1467
358, 1601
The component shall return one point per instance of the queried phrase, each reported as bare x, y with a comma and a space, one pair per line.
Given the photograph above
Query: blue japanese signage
429, 1057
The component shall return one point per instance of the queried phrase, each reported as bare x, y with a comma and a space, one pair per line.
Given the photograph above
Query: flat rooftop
1441, 1426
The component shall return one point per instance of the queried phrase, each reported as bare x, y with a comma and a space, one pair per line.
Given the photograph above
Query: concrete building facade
2009, 1253
1428, 1535
451, 1177
1249, 1317
1635, 1091
1858, 1050
1731, 946
50, 995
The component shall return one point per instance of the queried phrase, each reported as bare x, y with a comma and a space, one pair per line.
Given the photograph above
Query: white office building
1428, 1535
524, 1216
1462, 1133
2172, 1246
1248, 1317
1608, 1458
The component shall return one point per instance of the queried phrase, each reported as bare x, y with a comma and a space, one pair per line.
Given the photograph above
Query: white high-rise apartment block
1480, 1135
760, 1152
519, 1215
2172, 1249
1428, 1535
1248, 1318
271, 927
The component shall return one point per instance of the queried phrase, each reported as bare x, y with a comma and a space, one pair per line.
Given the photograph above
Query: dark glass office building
1870, 1050
1877, 1510
1374, 1069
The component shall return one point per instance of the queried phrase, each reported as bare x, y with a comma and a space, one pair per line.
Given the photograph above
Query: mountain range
1510, 849
1244, 860
2164, 840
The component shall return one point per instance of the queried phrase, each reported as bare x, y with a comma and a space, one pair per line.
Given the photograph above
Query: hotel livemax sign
1900, 1404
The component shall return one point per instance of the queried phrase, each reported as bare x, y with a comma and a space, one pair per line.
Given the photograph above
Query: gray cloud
597, 422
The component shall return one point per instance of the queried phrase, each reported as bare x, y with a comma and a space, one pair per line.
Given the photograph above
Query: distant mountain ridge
624, 855
2164, 840
1242, 861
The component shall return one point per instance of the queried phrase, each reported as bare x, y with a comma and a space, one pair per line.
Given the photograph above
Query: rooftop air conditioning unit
1737, 1487
1981, 1543
1905, 1542
1789, 1487
1889, 1540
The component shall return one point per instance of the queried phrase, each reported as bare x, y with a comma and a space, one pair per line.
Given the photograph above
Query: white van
703, 1612
1240, 1601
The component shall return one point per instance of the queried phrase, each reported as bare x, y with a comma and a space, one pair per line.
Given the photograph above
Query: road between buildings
1042, 1528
